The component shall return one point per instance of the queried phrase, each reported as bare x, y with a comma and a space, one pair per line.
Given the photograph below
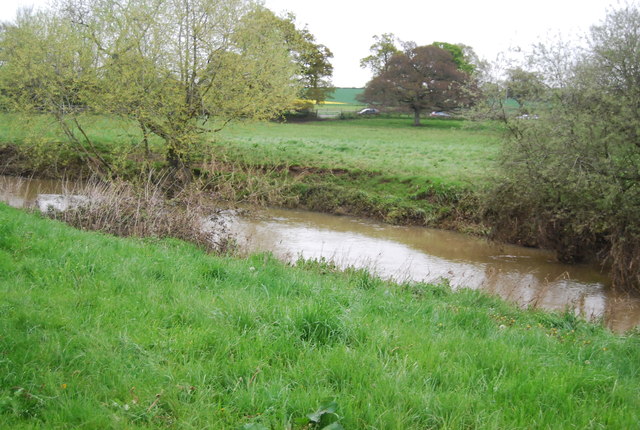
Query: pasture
443, 151
380, 167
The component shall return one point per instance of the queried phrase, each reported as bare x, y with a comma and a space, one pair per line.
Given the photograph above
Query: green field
448, 151
380, 167
346, 95
101, 332
342, 101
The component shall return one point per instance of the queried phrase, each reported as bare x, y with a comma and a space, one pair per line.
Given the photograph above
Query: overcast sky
489, 26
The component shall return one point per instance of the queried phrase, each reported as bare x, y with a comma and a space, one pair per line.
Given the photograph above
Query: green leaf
329, 408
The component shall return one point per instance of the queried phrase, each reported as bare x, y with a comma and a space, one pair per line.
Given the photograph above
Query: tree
313, 60
524, 86
47, 67
463, 55
381, 52
316, 70
423, 78
171, 65
570, 180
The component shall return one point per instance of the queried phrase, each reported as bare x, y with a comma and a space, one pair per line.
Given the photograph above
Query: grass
443, 150
108, 132
104, 332
379, 167
346, 95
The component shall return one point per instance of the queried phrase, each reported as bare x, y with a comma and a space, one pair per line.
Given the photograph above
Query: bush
571, 179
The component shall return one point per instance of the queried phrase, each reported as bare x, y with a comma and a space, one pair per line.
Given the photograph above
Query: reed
142, 209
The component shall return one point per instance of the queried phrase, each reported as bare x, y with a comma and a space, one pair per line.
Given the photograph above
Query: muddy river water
528, 277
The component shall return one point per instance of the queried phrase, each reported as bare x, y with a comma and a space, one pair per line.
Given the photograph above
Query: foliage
104, 332
169, 65
571, 179
423, 78
312, 59
48, 67
464, 56
524, 86
382, 50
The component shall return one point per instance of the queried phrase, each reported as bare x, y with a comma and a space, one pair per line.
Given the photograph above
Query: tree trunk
416, 117
179, 166
173, 157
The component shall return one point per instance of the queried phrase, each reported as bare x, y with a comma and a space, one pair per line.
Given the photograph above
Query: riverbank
105, 332
379, 168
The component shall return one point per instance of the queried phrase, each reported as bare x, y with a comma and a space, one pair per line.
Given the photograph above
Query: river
528, 277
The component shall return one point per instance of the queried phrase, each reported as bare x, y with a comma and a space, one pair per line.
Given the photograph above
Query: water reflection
22, 192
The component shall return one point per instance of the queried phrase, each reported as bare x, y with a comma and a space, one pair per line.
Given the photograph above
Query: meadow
452, 151
449, 151
104, 332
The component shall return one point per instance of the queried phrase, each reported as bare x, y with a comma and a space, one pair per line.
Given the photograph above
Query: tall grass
104, 332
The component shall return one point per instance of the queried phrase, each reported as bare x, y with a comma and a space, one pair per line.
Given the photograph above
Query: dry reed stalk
142, 210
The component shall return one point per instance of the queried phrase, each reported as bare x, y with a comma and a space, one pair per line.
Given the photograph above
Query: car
435, 114
369, 111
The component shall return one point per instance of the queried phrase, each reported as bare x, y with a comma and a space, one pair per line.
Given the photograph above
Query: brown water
528, 277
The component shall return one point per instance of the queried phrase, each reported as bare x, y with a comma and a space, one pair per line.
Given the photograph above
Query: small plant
325, 418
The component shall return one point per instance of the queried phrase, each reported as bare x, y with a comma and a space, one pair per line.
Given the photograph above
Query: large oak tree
420, 79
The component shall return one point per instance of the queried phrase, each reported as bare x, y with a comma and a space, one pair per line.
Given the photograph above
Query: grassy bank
378, 167
102, 332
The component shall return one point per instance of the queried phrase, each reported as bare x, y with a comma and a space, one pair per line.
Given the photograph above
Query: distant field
346, 95
341, 101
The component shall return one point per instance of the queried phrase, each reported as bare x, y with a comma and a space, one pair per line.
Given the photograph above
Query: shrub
570, 179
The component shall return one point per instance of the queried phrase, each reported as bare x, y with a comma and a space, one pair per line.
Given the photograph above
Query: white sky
489, 26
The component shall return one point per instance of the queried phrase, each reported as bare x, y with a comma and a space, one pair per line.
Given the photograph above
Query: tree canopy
382, 50
313, 60
420, 79
524, 86
170, 65
464, 56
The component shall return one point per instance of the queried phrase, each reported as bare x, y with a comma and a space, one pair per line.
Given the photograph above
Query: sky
490, 27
